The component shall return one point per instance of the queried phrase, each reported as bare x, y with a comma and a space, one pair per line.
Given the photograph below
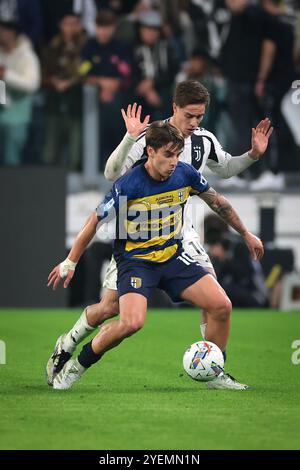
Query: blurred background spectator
27, 14
211, 19
19, 68
275, 74
107, 65
239, 58
63, 94
54, 10
156, 65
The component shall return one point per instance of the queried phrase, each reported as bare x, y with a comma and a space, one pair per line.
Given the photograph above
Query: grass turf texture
138, 396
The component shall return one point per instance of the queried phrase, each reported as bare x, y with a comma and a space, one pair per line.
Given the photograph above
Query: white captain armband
65, 266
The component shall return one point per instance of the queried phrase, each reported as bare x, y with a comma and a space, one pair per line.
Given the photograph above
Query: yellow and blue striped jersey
149, 213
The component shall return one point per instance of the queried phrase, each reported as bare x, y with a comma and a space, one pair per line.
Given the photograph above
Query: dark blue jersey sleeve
109, 207
197, 181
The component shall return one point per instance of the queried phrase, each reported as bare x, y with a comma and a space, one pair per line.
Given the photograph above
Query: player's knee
222, 308
111, 310
132, 325
225, 309
107, 309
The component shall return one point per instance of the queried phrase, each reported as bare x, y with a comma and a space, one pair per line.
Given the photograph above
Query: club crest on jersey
197, 151
181, 196
136, 282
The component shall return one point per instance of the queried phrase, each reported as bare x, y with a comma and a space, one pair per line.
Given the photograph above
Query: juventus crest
198, 153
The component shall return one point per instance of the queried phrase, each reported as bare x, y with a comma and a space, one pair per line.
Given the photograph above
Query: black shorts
172, 276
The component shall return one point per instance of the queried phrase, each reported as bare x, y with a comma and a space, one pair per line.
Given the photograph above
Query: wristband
65, 266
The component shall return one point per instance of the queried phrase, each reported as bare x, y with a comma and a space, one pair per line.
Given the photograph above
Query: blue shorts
173, 276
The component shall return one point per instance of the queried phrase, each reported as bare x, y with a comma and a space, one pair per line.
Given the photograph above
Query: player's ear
150, 151
174, 108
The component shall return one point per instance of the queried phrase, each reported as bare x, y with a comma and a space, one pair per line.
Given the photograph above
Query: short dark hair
67, 14
161, 133
277, 3
106, 18
11, 26
191, 92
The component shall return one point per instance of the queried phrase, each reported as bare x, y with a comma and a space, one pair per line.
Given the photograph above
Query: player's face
187, 119
163, 161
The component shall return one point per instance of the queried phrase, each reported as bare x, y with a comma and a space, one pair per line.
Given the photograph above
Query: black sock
225, 356
87, 357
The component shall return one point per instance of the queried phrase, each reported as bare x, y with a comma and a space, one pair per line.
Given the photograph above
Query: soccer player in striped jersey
148, 202
201, 148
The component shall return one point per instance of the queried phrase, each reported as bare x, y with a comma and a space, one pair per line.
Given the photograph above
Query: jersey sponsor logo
162, 199
166, 224
168, 199
136, 282
108, 205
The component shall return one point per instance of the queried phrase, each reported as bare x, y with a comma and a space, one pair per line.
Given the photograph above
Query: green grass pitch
138, 396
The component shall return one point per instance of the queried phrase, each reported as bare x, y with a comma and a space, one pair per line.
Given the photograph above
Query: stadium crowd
245, 52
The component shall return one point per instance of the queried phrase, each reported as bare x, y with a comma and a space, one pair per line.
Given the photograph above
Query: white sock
80, 330
203, 329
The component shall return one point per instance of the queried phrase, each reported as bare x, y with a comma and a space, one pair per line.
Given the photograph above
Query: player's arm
104, 212
221, 206
226, 166
66, 269
130, 149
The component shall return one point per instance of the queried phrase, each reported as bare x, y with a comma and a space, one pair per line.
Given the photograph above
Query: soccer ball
203, 361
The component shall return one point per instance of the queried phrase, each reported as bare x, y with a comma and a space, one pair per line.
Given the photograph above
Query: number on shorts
186, 259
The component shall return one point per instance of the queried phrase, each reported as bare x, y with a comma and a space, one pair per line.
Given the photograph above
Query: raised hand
254, 245
132, 118
260, 138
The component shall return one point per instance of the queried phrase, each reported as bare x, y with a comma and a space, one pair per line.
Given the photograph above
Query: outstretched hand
55, 277
260, 138
132, 118
254, 245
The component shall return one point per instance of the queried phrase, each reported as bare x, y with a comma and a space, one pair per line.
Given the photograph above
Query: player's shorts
173, 276
111, 275
191, 247
196, 251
